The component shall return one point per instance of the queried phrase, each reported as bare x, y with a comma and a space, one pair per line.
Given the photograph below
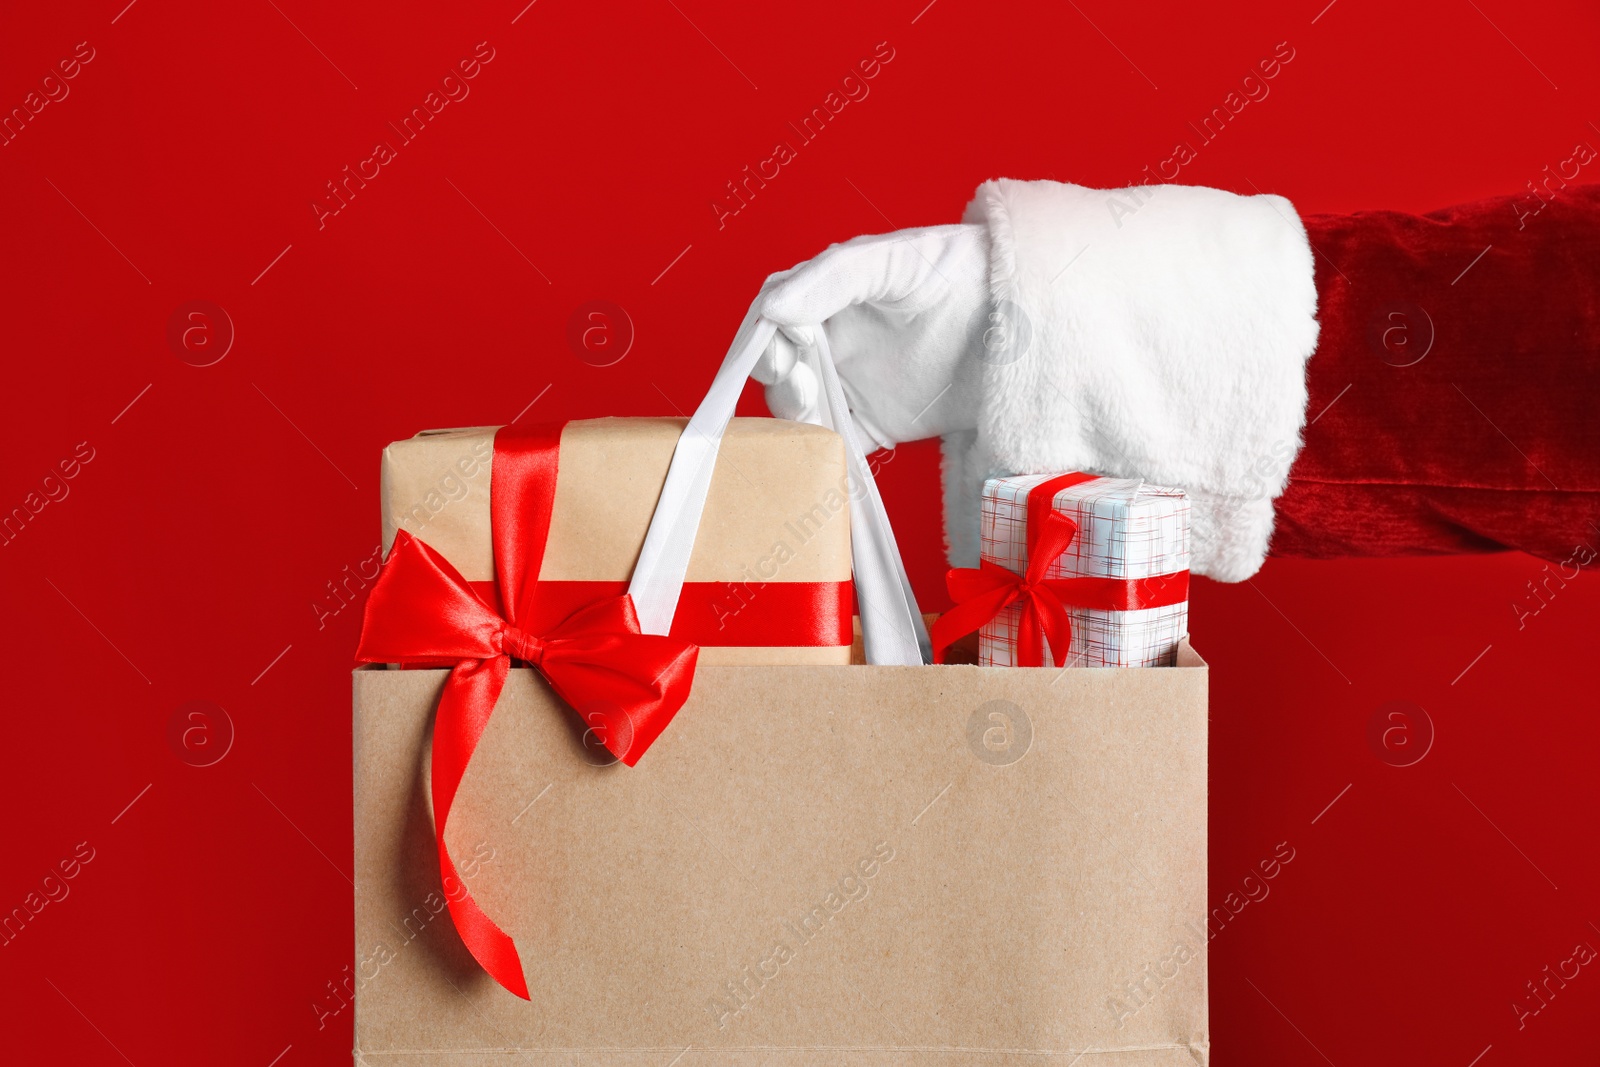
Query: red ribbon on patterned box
982, 592
627, 684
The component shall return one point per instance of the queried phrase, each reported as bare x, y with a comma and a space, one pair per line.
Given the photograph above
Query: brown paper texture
840, 865
776, 483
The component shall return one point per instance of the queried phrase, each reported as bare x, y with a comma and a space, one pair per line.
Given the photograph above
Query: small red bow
982, 592
627, 686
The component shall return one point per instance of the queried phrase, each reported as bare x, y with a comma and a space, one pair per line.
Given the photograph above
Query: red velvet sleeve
1455, 388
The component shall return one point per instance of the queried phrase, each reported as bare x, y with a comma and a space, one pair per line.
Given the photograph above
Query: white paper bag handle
892, 628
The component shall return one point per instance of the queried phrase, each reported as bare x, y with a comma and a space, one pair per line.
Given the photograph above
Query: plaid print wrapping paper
1126, 529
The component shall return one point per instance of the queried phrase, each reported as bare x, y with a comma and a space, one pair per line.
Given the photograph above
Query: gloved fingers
794, 388
795, 395
802, 337
778, 360
773, 364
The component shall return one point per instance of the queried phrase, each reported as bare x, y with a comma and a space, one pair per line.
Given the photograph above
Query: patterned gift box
1127, 530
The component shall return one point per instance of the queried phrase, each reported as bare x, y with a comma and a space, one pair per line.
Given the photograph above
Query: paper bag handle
892, 628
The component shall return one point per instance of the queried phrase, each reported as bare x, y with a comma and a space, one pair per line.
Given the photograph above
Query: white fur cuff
1159, 332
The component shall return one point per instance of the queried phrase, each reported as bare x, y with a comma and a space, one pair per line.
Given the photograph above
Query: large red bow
982, 592
626, 685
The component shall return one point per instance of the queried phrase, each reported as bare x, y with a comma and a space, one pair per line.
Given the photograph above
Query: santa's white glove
907, 315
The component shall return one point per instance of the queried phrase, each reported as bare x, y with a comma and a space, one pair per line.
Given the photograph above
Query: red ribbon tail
1043, 617
491, 946
1030, 646
1050, 615
464, 710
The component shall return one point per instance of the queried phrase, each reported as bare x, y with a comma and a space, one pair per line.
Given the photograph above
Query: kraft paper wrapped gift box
771, 563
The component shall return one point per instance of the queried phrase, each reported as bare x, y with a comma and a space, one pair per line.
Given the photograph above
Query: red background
185, 561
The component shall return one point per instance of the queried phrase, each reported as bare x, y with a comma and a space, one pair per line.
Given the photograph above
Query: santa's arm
1169, 333
1455, 390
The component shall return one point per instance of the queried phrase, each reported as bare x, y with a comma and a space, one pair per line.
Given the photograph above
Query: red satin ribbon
720, 614
626, 685
982, 592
